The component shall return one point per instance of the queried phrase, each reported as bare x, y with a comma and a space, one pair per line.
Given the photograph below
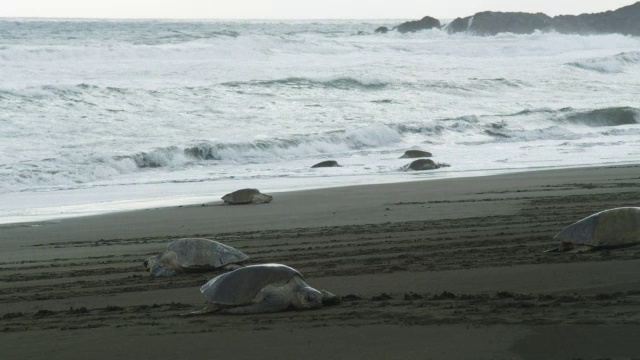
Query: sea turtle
412, 154
246, 196
423, 164
193, 254
262, 288
613, 228
328, 163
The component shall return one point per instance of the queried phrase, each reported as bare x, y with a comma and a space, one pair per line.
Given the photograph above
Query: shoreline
64, 212
441, 269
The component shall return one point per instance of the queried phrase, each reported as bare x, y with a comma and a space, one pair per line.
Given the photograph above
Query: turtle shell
241, 286
243, 196
608, 228
196, 253
328, 163
409, 154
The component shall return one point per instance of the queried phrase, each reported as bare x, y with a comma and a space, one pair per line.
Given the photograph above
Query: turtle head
161, 265
148, 263
307, 298
262, 198
329, 298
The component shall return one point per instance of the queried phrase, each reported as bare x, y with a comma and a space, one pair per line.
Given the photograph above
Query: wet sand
443, 269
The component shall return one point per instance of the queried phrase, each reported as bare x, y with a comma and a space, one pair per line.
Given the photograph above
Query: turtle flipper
231, 267
210, 308
564, 247
160, 270
581, 249
570, 248
266, 306
272, 298
329, 298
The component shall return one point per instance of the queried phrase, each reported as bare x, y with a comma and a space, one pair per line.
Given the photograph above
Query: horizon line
186, 18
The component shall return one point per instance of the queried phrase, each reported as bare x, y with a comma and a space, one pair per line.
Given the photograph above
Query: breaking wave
81, 168
342, 83
609, 65
614, 116
295, 147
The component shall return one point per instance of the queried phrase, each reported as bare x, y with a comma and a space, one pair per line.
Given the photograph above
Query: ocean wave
464, 124
611, 116
609, 65
168, 50
77, 168
177, 37
274, 149
342, 83
554, 132
75, 93
545, 111
614, 116
498, 82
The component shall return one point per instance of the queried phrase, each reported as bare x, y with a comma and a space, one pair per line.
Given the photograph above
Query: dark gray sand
445, 269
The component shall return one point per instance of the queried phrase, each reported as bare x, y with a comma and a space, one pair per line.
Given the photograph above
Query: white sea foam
91, 108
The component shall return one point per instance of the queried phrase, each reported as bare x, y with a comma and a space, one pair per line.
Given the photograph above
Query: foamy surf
108, 115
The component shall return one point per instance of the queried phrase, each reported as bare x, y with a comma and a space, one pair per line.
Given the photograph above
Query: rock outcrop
625, 20
425, 23
492, 23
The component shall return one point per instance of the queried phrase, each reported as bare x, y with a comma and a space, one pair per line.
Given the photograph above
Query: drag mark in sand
102, 283
407, 309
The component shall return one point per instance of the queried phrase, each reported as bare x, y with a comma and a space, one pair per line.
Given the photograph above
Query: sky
292, 9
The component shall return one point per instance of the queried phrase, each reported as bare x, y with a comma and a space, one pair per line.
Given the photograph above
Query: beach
441, 269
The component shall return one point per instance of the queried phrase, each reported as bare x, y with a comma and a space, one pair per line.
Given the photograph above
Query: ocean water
99, 116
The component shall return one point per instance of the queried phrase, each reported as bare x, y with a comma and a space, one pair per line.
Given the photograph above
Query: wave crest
609, 65
342, 83
614, 116
274, 149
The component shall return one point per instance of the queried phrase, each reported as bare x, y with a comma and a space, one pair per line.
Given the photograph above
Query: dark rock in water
625, 20
361, 33
492, 23
424, 164
458, 25
382, 30
412, 154
425, 23
328, 163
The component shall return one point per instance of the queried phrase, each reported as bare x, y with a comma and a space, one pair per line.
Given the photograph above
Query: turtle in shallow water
193, 254
411, 154
264, 288
613, 228
327, 163
423, 164
246, 196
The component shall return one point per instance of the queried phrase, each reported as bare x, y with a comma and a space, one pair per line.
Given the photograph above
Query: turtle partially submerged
411, 154
246, 196
328, 163
424, 164
194, 254
264, 288
613, 228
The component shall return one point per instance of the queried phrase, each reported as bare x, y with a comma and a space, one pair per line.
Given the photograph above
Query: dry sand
444, 269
